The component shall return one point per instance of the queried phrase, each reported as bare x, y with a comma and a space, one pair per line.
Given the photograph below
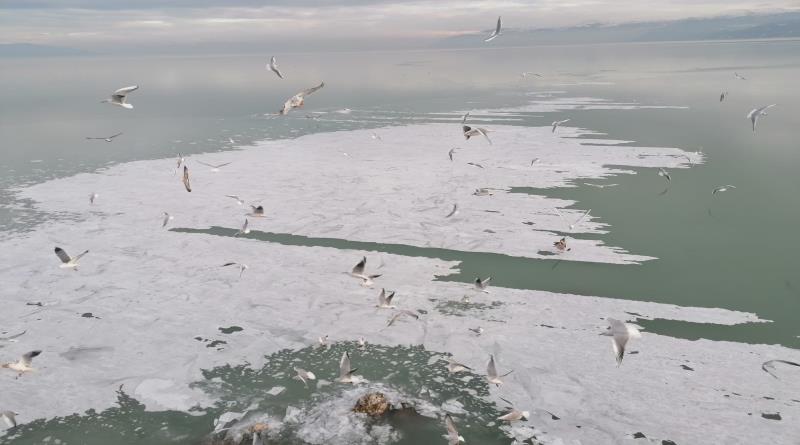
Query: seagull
186, 178
376, 136
298, 99
723, 188
454, 366
258, 211
244, 230
9, 417
474, 164
107, 139
237, 198
453, 438
577, 221
167, 219
453, 212
481, 285
494, 33
723, 95
304, 375
755, 113
514, 414
561, 245
478, 331
464, 118
23, 365
385, 301
529, 73
362, 342
482, 192
470, 132
242, 267
118, 97
214, 168
557, 123
491, 373
273, 66
181, 160
92, 197
621, 333
231, 141
769, 366
663, 173
399, 314
358, 272
322, 342
68, 262
535, 160
345, 371
452, 152
739, 76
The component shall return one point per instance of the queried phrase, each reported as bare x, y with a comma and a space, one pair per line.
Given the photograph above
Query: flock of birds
620, 332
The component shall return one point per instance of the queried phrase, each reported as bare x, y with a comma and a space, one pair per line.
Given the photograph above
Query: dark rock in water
639, 436
231, 329
373, 404
771, 416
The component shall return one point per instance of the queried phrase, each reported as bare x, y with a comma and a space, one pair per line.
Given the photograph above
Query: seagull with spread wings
298, 99
67, 262
120, 96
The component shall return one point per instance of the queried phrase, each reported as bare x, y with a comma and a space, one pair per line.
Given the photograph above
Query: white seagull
257, 211
214, 167
345, 371
244, 230
167, 219
92, 197
242, 267
491, 373
107, 139
739, 76
481, 285
181, 160
453, 438
453, 212
186, 178
237, 198
454, 366
530, 73
298, 99
664, 174
470, 132
756, 113
68, 262
620, 333
10, 418
514, 414
24, 364
385, 301
118, 97
557, 123
723, 188
399, 314
304, 375
496, 31
358, 272
273, 66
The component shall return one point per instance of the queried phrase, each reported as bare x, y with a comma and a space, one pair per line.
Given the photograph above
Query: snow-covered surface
158, 298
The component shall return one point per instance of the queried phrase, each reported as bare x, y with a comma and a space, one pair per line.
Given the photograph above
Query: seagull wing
452, 432
464, 119
122, 92
452, 212
311, 90
27, 359
491, 369
206, 164
359, 268
112, 137
586, 213
499, 24
485, 134
62, 255
344, 366
80, 256
186, 179
389, 297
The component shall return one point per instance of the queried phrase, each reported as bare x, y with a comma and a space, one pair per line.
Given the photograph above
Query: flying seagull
452, 152
92, 197
723, 188
24, 364
257, 211
399, 314
453, 438
214, 167
68, 262
664, 174
376, 136
494, 33
362, 342
491, 373
577, 221
481, 285
514, 414
453, 212
478, 331
298, 99
118, 97
358, 272
739, 76
345, 371
769, 366
454, 366
186, 178
474, 164
237, 198
167, 219
620, 333
385, 301
756, 113
242, 267
482, 192
529, 73
723, 95
470, 132
557, 123
322, 342
181, 160
561, 245
304, 375
9, 417
244, 230
273, 66
464, 118
107, 139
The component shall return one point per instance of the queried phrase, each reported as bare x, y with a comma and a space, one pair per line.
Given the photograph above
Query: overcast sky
104, 24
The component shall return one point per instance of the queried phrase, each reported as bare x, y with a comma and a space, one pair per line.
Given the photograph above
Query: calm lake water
736, 250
